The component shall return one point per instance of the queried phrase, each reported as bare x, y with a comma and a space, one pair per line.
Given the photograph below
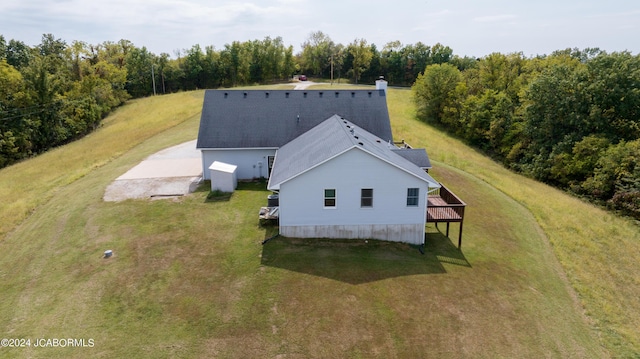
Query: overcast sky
469, 27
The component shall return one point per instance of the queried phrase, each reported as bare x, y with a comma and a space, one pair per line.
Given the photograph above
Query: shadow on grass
441, 246
219, 196
359, 261
257, 185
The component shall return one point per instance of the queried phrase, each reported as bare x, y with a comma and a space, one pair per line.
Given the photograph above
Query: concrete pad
172, 172
184, 167
144, 188
183, 150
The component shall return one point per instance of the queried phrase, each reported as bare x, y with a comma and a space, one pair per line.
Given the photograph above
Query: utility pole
153, 79
332, 69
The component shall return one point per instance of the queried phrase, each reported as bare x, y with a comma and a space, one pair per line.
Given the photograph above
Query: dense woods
570, 118
55, 92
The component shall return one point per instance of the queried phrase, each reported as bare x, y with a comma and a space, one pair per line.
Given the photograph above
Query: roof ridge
344, 125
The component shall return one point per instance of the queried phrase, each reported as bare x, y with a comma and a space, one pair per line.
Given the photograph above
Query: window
329, 197
413, 195
366, 197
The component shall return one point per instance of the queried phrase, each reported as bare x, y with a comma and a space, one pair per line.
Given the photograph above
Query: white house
246, 127
330, 156
337, 180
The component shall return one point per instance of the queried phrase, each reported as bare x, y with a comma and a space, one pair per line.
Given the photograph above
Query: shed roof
270, 119
223, 167
329, 139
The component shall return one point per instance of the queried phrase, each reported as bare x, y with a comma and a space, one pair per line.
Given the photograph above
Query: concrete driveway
302, 85
172, 172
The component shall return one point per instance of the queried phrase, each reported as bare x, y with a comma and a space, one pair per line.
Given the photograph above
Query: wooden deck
443, 206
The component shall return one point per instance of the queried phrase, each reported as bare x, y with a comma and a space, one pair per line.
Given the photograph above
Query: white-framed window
366, 197
413, 197
330, 198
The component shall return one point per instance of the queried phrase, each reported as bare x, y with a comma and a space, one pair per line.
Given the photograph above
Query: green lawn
190, 277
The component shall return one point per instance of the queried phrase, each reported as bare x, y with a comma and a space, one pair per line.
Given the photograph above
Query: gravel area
172, 172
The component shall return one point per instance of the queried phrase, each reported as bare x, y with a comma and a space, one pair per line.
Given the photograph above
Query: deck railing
452, 201
445, 207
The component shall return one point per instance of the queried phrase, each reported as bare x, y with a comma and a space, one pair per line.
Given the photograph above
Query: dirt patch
169, 173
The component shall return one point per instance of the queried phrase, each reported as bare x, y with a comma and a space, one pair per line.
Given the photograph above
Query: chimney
381, 84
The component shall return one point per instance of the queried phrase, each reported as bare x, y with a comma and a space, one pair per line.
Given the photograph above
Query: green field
540, 274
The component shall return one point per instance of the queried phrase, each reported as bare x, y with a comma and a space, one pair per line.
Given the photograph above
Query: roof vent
226, 94
286, 94
361, 144
305, 94
353, 94
266, 95
356, 137
245, 95
370, 93
337, 94
320, 93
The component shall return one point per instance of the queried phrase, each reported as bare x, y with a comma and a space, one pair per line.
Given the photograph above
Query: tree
14, 134
138, 62
235, 63
440, 54
435, 92
613, 85
362, 56
193, 67
288, 63
374, 71
486, 120
501, 72
556, 115
3, 48
316, 54
18, 54
392, 62
617, 177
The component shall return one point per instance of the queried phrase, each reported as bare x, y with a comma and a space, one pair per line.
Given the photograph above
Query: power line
41, 108
21, 115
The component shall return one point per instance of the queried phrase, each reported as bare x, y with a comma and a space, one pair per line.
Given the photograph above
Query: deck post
446, 207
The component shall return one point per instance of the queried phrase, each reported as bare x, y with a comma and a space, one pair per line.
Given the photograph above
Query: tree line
570, 119
56, 92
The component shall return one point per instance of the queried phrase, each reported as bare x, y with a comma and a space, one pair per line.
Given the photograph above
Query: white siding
223, 177
408, 233
302, 212
247, 161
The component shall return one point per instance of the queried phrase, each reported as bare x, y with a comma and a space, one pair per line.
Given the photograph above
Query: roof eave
429, 180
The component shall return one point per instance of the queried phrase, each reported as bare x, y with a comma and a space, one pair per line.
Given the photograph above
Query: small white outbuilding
223, 176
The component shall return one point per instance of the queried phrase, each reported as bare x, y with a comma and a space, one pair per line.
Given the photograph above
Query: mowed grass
190, 277
598, 250
26, 185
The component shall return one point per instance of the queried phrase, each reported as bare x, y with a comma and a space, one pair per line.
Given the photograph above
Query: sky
470, 28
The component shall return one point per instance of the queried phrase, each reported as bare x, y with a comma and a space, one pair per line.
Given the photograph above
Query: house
330, 156
338, 180
246, 127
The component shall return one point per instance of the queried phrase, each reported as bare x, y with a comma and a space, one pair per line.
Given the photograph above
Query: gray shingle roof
417, 156
329, 139
261, 118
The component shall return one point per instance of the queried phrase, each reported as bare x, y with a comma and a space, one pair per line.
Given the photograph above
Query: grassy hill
541, 274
